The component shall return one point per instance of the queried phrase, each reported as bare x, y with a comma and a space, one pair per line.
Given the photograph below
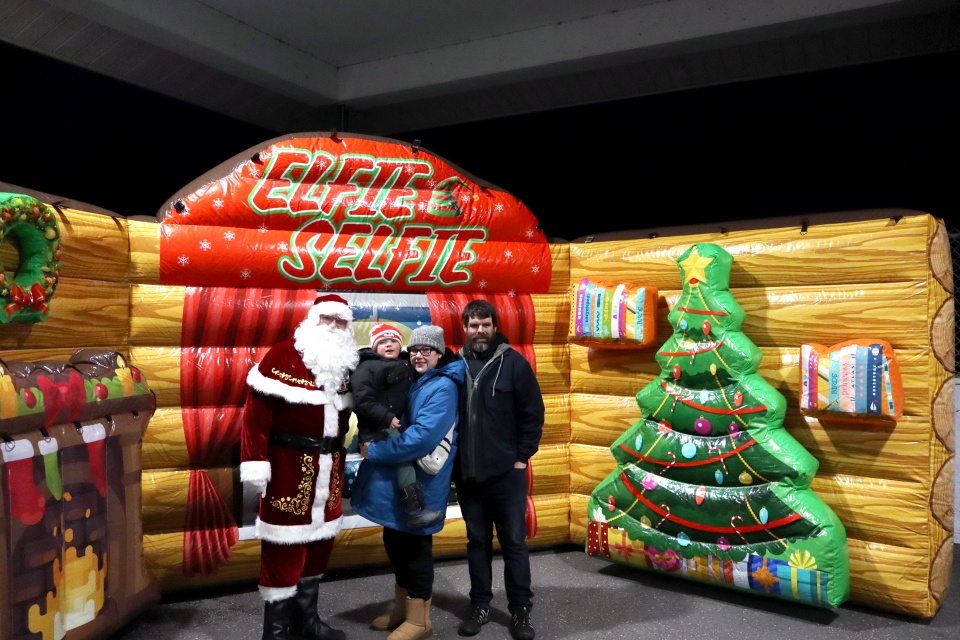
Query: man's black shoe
478, 617
520, 627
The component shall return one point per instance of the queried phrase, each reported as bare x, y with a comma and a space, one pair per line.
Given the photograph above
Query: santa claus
292, 451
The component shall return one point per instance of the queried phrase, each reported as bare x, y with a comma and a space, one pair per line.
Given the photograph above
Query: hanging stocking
95, 437
26, 502
49, 448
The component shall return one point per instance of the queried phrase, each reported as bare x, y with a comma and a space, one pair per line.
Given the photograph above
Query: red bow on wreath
35, 297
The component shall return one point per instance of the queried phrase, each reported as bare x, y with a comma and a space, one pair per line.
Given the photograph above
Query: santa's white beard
330, 354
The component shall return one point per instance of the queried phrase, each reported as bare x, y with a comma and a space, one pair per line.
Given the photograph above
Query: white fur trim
271, 387
331, 421
255, 471
317, 529
275, 594
16, 450
331, 308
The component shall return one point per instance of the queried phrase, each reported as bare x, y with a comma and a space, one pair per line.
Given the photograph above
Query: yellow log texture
165, 491
94, 246
83, 313
156, 316
165, 446
31, 355
941, 496
556, 419
940, 571
881, 575
625, 373
164, 496
144, 252
161, 365
872, 509
560, 276
941, 260
897, 451
163, 553
876, 251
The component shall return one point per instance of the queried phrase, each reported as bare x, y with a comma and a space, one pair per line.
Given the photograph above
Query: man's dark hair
480, 309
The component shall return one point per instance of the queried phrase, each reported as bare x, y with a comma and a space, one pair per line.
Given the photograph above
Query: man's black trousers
500, 501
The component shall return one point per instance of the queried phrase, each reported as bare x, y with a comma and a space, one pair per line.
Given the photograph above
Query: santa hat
331, 305
384, 331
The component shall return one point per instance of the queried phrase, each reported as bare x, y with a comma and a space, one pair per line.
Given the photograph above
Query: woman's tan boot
417, 625
397, 613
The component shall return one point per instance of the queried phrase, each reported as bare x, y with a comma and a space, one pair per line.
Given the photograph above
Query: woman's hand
363, 449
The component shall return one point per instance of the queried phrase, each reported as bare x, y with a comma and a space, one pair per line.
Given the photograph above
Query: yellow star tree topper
694, 266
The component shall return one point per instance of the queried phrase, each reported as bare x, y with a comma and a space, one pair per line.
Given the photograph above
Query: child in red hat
380, 385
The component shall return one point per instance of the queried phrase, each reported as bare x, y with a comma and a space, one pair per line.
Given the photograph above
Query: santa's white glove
256, 474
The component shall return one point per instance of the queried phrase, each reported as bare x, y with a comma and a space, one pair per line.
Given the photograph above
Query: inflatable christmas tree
708, 484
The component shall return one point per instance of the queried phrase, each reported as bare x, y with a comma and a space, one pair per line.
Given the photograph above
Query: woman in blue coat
430, 430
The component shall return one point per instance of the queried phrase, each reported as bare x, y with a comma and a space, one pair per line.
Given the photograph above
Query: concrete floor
576, 597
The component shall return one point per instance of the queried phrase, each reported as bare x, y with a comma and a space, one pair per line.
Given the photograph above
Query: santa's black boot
418, 516
306, 621
276, 619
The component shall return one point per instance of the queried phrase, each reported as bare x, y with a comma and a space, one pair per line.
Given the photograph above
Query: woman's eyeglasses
422, 350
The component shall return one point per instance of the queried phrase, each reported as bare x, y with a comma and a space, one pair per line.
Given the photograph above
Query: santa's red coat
302, 503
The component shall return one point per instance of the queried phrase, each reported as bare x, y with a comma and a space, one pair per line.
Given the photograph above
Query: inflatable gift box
858, 379
618, 316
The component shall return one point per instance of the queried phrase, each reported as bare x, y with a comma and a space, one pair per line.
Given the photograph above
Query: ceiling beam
678, 26
203, 34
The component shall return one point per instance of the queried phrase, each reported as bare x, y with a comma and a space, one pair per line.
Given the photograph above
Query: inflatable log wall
195, 301
892, 278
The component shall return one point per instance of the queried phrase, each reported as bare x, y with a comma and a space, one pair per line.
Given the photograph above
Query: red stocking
26, 502
95, 437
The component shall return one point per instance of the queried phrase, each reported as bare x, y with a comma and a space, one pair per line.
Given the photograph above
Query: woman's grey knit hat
427, 336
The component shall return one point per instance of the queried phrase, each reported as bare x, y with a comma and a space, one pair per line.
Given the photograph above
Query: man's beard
330, 354
479, 347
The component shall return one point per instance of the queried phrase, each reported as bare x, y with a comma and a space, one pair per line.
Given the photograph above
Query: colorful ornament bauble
611, 504
683, 325
702, 426
734, 429
676, 372
718, 475
645, 522
639, 442
664, 427
723, 544
738, 398
650, 482
701, 494
713, 369
683, 539
745, 478
688, 450
706, 327
764, 515
32, 225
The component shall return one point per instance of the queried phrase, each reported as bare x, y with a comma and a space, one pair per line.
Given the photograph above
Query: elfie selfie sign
350, 212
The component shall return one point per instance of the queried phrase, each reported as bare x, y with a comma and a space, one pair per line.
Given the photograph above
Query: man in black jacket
501, 421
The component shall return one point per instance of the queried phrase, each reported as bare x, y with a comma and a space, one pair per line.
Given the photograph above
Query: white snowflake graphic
218, 203
229, 235
482, 284
245, 274
508, 254
183, 260
499, 206
264, 228
512, 292
325, 285
422, 205
205, 245
535, 268
431, 183
282, 246
530, 233
254, 170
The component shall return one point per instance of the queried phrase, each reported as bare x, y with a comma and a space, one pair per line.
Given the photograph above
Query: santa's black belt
306, 443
